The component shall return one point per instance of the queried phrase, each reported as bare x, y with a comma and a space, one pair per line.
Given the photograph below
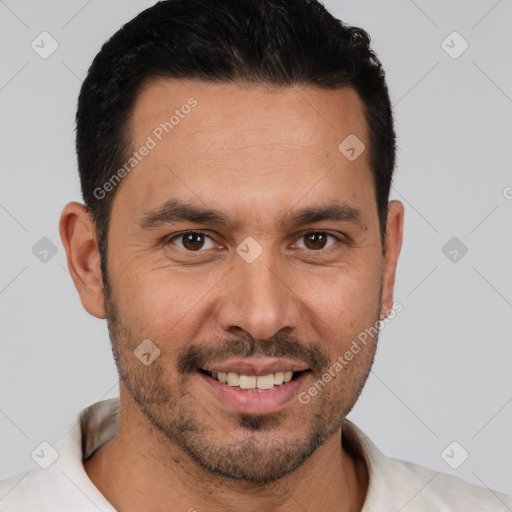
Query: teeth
252, 382
265, 381
247, 382
232, 379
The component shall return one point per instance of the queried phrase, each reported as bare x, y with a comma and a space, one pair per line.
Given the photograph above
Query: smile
255, 383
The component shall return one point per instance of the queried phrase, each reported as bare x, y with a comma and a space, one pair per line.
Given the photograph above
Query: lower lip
254, 402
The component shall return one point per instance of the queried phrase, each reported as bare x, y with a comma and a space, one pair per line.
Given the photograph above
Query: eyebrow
174, 210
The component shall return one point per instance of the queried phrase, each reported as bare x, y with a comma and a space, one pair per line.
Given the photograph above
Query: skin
255, 153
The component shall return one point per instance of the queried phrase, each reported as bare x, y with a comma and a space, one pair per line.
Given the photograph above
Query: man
235, 159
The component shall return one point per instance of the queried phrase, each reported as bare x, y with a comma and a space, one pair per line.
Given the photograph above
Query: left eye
196, 241
317, 240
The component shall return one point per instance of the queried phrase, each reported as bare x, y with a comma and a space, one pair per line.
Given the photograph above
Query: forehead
244, 112
263, 145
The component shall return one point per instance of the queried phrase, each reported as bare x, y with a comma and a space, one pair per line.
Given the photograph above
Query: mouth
254, 383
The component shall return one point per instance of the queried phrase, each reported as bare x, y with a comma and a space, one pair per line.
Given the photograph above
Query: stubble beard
255, 454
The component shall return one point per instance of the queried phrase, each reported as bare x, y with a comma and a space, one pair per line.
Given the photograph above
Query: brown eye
192, 241
317, 240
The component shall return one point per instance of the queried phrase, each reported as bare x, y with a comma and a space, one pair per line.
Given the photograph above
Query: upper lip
256, 366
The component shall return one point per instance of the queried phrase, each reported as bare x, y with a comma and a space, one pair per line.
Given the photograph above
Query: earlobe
393, 245
77, 232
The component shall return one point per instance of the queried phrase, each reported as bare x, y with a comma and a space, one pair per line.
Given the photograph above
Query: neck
140, 469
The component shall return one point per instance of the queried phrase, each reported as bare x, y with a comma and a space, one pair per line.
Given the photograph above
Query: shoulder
400, 485
62, 484
424, 489
24, 489
56, 489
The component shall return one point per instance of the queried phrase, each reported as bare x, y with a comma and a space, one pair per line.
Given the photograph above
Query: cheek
160, 304
352, 285
343, 308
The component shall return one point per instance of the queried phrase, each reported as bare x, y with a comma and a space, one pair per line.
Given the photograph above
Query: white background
443, 368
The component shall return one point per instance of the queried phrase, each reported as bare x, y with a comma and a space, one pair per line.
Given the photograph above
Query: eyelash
202, 233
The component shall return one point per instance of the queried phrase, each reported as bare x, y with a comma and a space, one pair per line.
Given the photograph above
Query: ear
78, 235
392, 246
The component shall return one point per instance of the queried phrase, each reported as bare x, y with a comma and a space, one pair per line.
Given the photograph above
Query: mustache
195, 356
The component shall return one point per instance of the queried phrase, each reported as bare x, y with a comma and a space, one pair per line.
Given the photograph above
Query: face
245, 246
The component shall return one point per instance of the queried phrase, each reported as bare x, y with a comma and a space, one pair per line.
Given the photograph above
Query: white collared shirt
64, 486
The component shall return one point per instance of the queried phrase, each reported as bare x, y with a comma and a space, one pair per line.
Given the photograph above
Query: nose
258, 299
